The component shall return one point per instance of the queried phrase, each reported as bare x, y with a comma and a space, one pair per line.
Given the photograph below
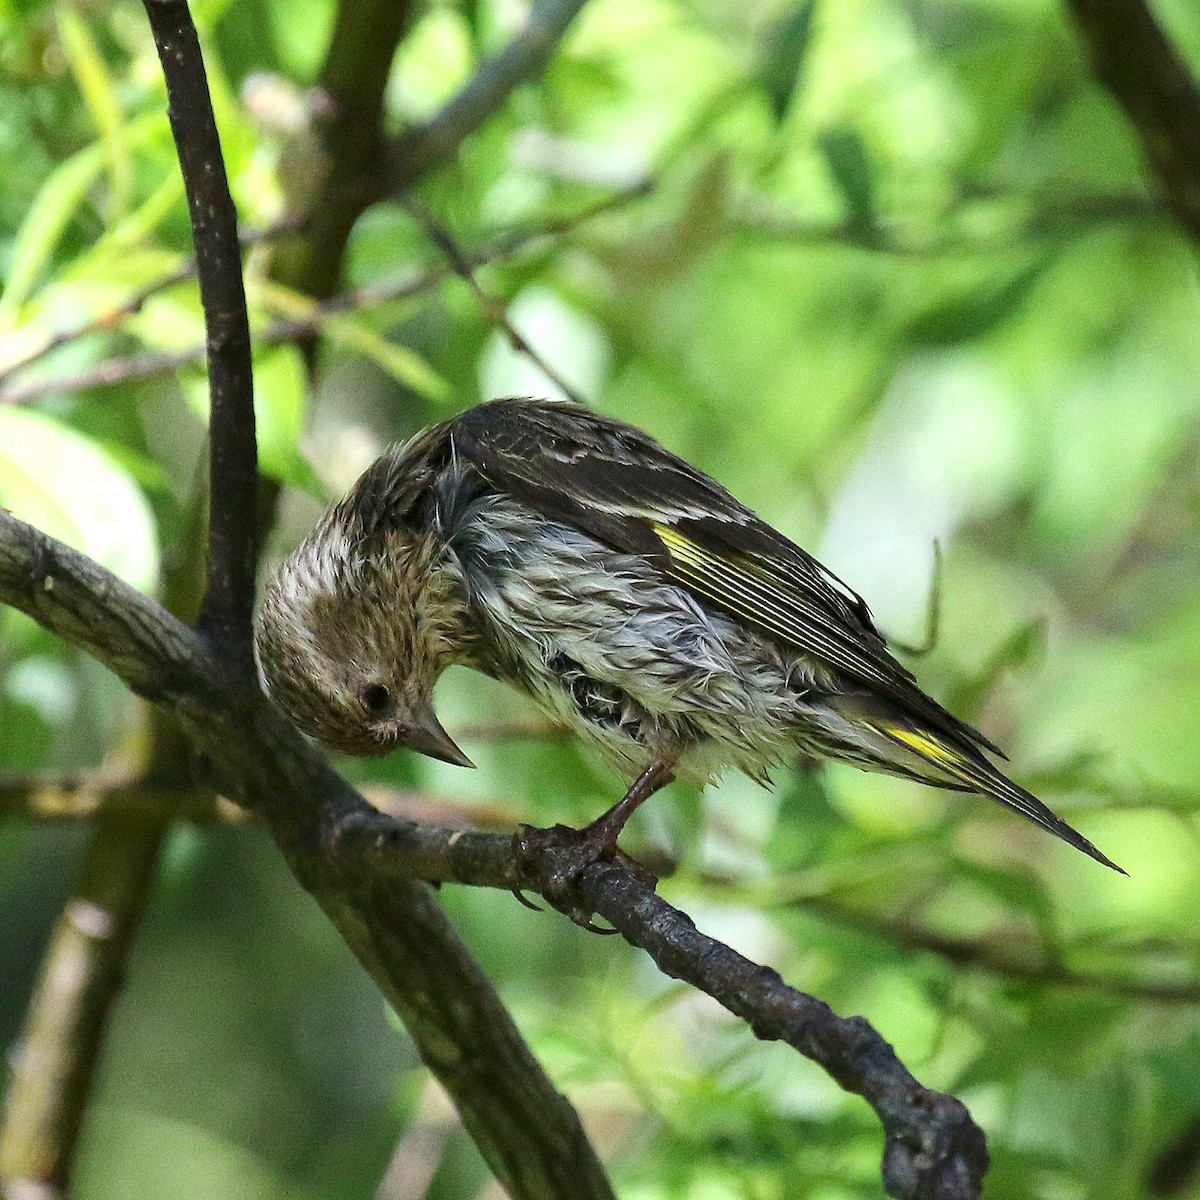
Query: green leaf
781, 56
404, 365
1023, 647
976, 310
67, 486
27, 737
96, 87
136, 227
48, 217
280, 389
846, 157
1017, 889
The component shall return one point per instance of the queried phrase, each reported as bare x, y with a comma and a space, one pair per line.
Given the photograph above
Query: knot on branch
939, 1153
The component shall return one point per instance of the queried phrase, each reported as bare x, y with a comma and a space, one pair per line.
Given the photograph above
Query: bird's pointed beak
426, 736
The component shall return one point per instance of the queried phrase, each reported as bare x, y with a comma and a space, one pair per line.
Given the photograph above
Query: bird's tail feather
964, 767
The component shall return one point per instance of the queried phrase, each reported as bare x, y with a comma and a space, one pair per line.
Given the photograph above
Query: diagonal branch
233, 472
424, 148
493, 310
352, 84
114, 317
932, 1150
1148, 77
361, 867
368, 298
528, 1133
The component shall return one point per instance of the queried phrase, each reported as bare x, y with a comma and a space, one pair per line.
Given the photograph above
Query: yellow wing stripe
731, 585
958, 766
708, 577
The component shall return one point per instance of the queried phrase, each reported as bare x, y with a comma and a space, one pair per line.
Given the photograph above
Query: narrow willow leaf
96, 87
403, 364
56, 205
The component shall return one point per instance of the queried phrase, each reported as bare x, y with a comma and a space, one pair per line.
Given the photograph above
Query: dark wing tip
1100, 857
993, 782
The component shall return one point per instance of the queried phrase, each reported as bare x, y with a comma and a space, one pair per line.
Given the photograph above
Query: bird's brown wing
616, 483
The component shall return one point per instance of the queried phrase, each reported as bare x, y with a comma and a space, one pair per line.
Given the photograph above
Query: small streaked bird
627, 593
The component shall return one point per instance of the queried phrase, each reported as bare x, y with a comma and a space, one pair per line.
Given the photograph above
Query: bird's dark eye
376, 699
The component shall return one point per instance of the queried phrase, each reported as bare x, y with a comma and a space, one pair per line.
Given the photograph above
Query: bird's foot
561, 855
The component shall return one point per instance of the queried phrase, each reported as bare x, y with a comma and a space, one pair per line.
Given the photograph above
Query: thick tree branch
932, 1148
528, 1132
82, 972
349, 132
360, 865
233, 469
426, 147
1148, 77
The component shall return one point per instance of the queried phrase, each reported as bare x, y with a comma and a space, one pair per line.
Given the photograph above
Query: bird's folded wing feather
619, 485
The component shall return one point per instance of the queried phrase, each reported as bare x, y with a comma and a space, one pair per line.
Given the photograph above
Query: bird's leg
603, 832
576, 849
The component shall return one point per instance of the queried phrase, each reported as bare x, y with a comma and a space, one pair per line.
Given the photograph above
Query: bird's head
352, 634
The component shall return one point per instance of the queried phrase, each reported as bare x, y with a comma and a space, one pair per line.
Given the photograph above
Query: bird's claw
520, 895
572, 851
584, 921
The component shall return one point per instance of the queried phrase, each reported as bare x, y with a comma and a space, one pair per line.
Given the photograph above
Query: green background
899, 281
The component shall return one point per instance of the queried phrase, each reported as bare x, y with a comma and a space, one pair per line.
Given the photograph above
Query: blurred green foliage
899, 280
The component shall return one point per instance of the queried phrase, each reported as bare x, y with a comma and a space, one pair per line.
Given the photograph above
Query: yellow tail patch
933, 751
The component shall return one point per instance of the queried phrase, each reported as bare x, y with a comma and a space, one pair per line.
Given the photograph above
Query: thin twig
43, 797
112, 372
78, 798
1049, 219
114, 317
493, 310
370, 297
1042, 969
529, 1134
933, 612
504, 730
